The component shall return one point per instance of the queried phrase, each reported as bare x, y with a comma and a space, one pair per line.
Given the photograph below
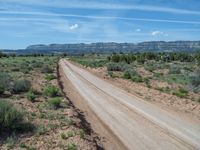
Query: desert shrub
63, 136
72, 146
46, 59
133, 75
11, 141
181, 93
50, 77
82, 133
174, 69
70, 134
31, 96
117, 66
5, 82
15, 69
25, 68
51, 91
36, 64
137, 78
12, 120
41, 130
22, 85
24, 146
147, 82
129, 73
111, 74
157, 75
55, 102
91, 62
195, 82
46, 69
151, 66
164, 89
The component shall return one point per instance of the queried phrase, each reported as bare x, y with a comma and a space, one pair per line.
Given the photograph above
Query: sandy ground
123, 113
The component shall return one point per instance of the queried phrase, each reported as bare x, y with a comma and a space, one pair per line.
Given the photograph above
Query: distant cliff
120, 47
158, 46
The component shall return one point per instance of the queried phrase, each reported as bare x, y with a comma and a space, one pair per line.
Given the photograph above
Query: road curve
137, 123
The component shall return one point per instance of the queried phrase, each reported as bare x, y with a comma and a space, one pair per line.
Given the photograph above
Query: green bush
117, 66
46, 69
195, 82
41, 130
31, 96
63, 136
55, 102
182, 93
22, 85
36, 64
50, 77
174, 69
137, 78
150, 66
71, 146
111, 74
12, 120
164, 89
82, 133
129, 73
5, 82
51, 91
147, 82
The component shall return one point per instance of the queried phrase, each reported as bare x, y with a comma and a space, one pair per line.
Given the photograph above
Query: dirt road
137, 123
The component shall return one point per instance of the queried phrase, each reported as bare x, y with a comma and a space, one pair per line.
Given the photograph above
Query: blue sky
25, 22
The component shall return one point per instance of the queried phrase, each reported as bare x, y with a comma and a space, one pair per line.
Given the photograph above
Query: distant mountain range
156, 46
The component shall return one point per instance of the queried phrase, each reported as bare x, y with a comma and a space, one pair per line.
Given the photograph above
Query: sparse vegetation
129, 73
50, 77
31, 96
51, 91
82, 133
116, 66
21, 85
93, 61
174, 69
63, 136
12, 120
71, 146
55, 102
182, 93
41, 130
195, 82
171, 69
25, 113
46, 69
5, 82
164, 89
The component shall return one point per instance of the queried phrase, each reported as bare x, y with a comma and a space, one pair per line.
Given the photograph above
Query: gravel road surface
138, 124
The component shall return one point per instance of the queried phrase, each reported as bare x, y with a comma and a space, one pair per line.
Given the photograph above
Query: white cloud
90, 17
74, 26
155, 33
98, 5
138, 30
158, 33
